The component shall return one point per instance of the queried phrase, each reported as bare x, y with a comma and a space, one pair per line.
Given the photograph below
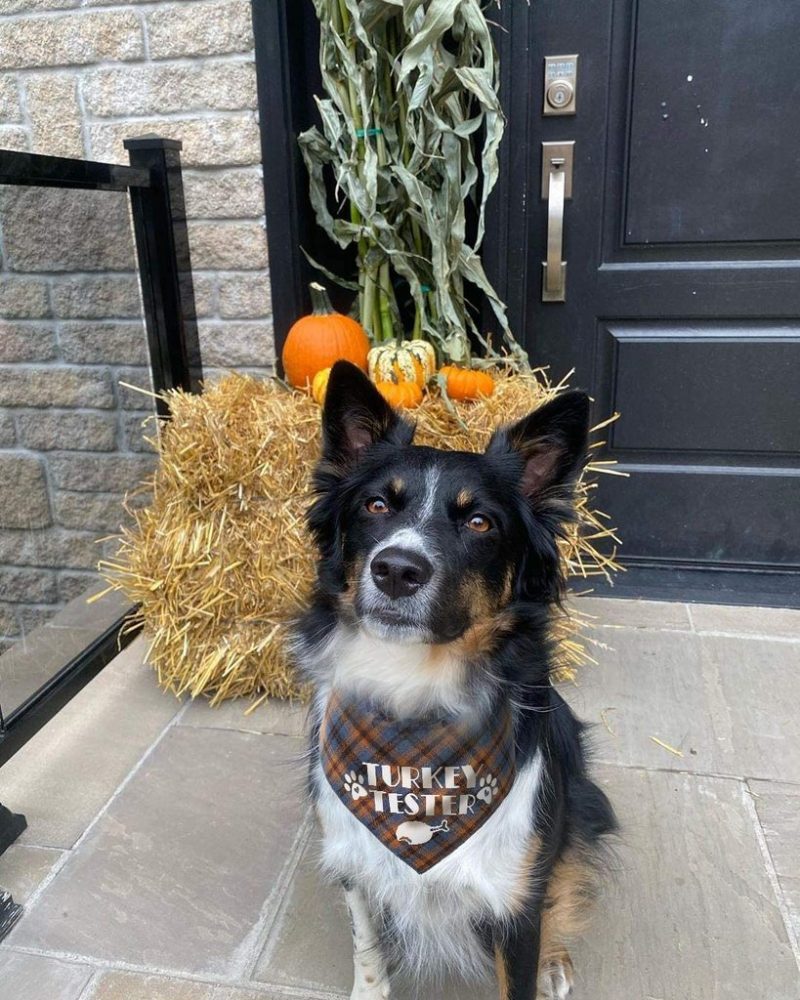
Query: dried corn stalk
411, 126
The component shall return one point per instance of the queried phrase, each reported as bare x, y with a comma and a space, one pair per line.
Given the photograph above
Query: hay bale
219, 559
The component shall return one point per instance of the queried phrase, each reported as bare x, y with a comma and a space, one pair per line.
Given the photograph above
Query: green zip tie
361, 132
425, 288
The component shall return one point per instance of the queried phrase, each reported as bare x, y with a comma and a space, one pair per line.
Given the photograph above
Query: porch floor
170, 854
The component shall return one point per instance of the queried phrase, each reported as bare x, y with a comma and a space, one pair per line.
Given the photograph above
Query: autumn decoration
317, 340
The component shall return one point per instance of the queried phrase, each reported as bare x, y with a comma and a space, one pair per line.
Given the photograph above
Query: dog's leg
371, 980
517, 957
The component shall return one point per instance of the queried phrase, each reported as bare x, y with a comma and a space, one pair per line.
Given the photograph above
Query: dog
438, 576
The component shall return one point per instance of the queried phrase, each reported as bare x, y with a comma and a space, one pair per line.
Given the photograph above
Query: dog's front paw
371, 991
556, 979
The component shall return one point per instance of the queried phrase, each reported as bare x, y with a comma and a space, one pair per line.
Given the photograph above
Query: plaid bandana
421, 786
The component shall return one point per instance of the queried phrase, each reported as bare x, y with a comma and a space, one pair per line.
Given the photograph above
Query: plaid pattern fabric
421, 786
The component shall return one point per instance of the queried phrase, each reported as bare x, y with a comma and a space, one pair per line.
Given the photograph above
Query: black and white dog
438, 575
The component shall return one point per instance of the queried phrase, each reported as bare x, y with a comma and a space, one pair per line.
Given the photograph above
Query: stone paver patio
170, 854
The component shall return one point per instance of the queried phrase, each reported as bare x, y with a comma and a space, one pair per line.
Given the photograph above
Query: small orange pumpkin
319, 385
316, 341
467, 383
405, 394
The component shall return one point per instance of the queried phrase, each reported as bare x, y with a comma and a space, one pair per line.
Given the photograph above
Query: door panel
693, 515
713, 150
683, 275
695, 388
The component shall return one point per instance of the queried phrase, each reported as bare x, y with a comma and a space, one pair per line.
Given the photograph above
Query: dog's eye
377, 505
479, 523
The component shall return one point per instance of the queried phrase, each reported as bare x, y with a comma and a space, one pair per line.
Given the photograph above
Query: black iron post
162, 246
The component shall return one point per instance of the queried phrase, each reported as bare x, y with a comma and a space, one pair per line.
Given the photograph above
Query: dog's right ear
356, 416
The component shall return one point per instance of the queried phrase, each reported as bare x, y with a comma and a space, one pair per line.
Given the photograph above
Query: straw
219, 561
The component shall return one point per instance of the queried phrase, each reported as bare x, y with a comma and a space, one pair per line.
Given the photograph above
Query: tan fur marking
464, 498
565, 914
502, 975
348, 596
397, 485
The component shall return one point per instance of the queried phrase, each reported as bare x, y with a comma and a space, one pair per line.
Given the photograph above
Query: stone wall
76, 78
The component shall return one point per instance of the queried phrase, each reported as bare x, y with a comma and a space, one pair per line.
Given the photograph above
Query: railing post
162, 247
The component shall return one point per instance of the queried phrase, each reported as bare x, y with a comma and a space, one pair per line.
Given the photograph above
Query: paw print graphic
488, 788
354, 783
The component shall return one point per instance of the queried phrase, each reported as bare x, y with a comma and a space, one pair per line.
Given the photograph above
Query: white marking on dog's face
402, 619
428, 504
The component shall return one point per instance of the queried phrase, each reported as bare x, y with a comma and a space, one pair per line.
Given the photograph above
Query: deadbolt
560, 94
560, 82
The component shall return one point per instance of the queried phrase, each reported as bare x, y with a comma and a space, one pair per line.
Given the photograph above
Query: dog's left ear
356, 416
552, 442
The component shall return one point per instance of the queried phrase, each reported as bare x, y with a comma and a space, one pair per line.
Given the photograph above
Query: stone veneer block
51, 229
26, 341
96, 297
99, 473
199, 837
37, 586
10, 109
8, 434
245, 296
55, 114
227, 194
208, 141
23, 298
49, 430
24, 499
56, 386
49, 547
235, 344
202, 29
104, 343
70, 40
238, 246
153, 89
14, 137
101, 512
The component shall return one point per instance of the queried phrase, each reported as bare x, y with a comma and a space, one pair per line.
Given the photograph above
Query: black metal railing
154, 184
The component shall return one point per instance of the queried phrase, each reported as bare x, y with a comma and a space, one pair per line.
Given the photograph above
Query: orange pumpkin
405, 394
467, 383
316, 341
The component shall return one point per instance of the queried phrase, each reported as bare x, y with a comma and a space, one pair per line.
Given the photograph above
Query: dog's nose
400, 572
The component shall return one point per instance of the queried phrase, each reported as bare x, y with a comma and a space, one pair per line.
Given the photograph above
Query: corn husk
219, 559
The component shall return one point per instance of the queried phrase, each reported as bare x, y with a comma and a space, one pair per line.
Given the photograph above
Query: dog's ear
355, 416
551, 441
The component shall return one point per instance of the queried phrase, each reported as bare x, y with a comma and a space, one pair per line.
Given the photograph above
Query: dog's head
423, 545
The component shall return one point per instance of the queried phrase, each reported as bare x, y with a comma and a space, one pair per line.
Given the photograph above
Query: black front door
682, 294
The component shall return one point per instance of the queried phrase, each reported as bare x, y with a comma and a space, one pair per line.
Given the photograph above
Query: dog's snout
400, 572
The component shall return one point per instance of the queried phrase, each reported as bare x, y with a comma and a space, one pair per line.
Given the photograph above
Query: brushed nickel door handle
557, 158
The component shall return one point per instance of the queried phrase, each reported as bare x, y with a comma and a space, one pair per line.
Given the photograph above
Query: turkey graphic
421, 786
